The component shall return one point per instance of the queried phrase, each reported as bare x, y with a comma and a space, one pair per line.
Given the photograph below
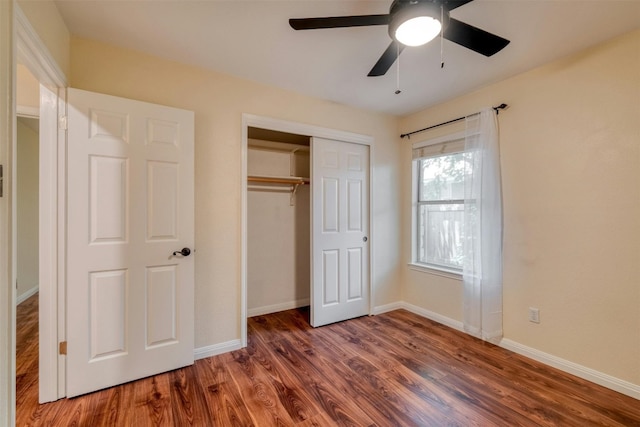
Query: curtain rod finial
502, 106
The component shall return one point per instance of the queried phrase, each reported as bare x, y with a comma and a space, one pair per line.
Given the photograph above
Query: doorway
278, 221
26, 200
46, 95
270, 124
27, 262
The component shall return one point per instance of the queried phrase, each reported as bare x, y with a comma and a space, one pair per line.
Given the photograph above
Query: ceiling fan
413, 23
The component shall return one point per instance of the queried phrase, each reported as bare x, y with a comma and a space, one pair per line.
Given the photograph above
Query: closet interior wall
278, 227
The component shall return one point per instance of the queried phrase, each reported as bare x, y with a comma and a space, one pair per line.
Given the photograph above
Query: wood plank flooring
394, 369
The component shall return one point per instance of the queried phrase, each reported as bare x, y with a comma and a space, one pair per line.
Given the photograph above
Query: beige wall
570, 148
27, 89
219, 101
27, 206
278, 252
45, 19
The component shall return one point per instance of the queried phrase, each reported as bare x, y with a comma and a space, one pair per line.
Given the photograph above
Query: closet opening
278, 221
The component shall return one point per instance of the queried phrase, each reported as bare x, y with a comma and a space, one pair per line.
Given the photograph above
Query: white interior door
340, 231
130, 206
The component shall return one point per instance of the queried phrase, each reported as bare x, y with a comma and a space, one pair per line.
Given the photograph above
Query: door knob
364, 239
183, 252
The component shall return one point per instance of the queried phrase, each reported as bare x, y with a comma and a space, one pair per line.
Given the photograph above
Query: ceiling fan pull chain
442, 36
398, 91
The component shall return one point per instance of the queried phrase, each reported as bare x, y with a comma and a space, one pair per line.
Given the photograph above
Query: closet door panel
340, 228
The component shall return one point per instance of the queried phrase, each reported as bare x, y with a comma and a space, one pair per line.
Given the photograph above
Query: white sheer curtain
482, 270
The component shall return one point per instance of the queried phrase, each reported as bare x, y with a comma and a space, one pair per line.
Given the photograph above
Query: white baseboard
259, 311
216, 349
447, 321
25, 296
388, 307
583, 372
597, 377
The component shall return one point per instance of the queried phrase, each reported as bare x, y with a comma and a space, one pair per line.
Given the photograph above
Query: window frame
414, 264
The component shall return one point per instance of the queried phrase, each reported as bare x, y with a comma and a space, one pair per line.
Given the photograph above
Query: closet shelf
288, 180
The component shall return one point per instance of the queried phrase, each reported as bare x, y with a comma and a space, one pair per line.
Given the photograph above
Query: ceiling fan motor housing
403, 10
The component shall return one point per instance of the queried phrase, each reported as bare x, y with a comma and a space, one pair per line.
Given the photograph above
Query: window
439, 174
457, 217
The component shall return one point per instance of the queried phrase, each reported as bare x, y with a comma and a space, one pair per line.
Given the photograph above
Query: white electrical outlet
534, 315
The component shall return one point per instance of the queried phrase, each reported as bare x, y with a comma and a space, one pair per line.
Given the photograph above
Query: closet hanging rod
276, 189
278, 180
496, 109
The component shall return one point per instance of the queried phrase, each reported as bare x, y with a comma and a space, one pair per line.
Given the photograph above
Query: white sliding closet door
340, 231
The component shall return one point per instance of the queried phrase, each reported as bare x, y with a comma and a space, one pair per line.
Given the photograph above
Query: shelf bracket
292, 196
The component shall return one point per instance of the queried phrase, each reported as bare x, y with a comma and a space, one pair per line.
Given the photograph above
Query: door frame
7, 291
52, 209
269, 123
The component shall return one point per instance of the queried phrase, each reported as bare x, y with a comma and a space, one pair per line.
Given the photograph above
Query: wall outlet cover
534, 315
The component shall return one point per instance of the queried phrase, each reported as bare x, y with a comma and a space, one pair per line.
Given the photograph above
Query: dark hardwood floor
394, 369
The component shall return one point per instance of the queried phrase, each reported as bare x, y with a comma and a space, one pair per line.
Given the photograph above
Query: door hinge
62, 122
63, 348
1, 181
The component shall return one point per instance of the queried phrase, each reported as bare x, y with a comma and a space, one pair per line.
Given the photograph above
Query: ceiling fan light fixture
415, 24
418, 31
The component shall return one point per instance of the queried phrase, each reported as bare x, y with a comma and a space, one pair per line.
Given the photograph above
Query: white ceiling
253, 40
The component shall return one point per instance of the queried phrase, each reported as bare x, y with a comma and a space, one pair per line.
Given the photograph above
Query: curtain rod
496, 109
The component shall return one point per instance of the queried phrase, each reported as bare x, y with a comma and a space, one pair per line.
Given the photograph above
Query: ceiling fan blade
454, 4
386, 60
474, 38
338, 22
